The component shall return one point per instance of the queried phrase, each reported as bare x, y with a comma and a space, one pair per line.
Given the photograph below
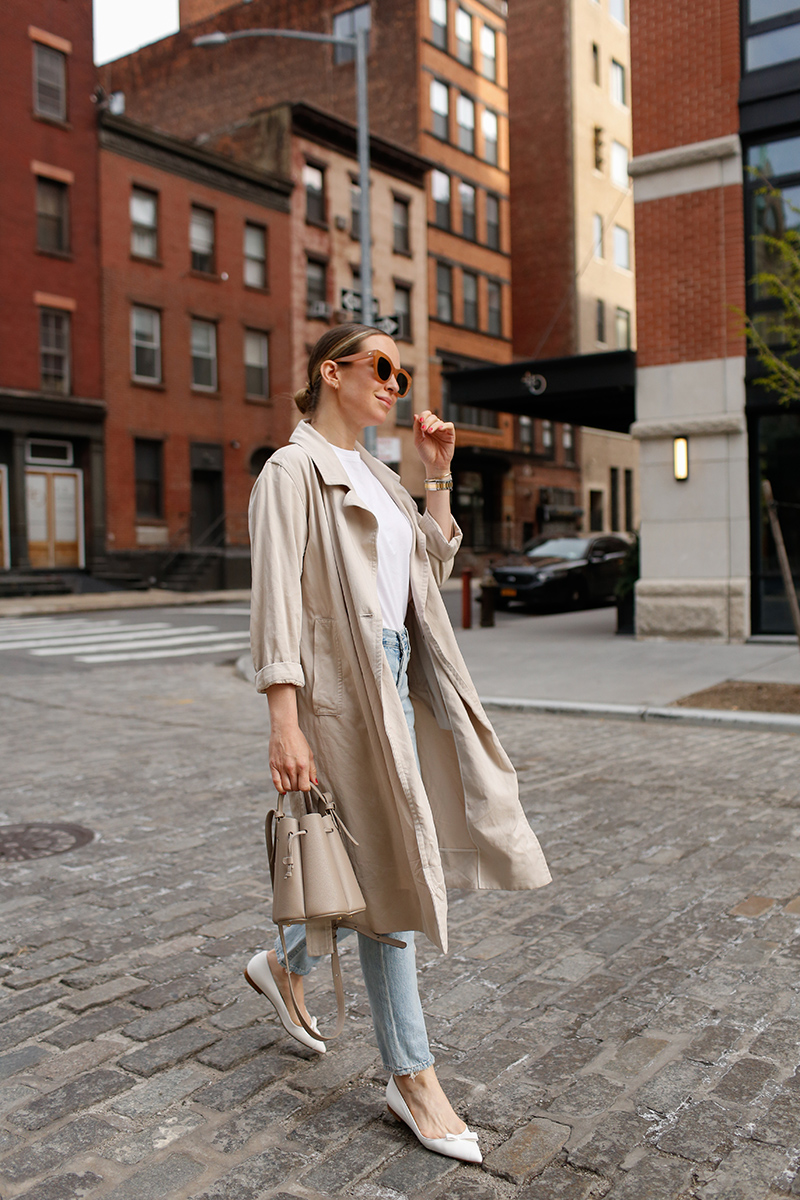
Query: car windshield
559, 548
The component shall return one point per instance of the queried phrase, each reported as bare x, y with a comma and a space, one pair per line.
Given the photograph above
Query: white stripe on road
180, 640
105, 658
101, 635
35, 629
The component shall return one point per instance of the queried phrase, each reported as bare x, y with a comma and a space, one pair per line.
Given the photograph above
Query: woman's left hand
435, 441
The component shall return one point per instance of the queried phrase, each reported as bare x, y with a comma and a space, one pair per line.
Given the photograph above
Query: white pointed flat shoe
453, 1145
260, 977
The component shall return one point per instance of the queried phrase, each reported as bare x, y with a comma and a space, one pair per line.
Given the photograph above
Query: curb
40, 606
764, 722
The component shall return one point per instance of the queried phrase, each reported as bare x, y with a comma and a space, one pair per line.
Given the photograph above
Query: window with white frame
618, 10
52, 216
438, 13
146, 344
201, 239
256, 364
440, 190
489, 129
465, 119
619, 87
314, 184
49, 82
440, 108
488, 52
623, 322
346, 24
597, 236
255, 255
619, 165
144, 223
204, 355
463, 36
54, 350
622, 248
466, 195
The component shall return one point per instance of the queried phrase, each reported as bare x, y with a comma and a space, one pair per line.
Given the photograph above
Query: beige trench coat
316, 623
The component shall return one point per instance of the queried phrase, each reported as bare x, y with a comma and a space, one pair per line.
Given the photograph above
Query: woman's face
364, 400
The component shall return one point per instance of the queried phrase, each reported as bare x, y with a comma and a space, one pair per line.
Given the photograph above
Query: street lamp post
360, 43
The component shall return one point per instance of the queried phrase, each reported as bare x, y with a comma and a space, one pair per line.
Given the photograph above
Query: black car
561, 572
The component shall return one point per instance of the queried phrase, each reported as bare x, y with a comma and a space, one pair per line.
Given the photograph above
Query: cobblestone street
630, 1031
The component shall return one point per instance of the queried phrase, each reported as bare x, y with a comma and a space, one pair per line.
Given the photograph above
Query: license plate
508, 591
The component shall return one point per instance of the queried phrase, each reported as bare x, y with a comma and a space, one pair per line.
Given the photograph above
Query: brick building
444, 97
573, 286
51, 389
319, 151
716, 92
196, 348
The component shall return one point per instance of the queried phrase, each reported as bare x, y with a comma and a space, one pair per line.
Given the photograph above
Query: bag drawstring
288, 862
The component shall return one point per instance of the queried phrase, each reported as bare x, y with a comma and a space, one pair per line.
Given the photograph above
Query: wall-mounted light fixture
680, 458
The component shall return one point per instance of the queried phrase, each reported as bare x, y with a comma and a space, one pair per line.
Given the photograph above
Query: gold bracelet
444, 484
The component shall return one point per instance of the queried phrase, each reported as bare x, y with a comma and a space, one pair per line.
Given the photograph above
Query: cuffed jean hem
412, 1071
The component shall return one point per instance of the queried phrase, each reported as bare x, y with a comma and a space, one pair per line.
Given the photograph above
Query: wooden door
54, 505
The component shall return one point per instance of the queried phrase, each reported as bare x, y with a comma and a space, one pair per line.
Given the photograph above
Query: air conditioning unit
340, 223
319, 308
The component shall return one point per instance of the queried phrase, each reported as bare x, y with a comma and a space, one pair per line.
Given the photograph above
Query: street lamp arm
218, 38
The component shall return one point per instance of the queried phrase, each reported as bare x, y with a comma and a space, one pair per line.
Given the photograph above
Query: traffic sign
390, 325
350, 301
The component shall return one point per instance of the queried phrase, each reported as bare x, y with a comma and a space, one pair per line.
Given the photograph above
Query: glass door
54, 507
778, 443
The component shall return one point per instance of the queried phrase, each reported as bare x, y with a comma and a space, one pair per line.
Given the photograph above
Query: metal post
362, 124
783, 558
466, 599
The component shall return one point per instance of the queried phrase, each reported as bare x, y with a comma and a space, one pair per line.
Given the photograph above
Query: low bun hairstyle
334, 343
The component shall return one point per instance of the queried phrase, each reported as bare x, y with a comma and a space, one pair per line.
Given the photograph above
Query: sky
121, 27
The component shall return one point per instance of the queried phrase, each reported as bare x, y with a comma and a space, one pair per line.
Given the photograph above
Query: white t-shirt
395, 538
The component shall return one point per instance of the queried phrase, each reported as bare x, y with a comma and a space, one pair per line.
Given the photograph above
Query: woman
347, 625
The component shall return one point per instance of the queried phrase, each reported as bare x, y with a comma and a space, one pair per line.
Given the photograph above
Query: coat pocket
326, 690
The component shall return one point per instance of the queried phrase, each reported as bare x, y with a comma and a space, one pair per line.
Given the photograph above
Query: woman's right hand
291, 760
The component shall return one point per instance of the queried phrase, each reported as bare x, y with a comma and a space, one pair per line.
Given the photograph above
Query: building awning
598, 390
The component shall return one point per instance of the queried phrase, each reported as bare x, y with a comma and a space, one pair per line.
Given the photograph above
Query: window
617, 10
444, 292
54, 355
440, 107
355, 209
255, 255
629, 526
595, 63
600, 322
619, 165
316, 283
402, 311
488, 52
256, 364
49, 82
401, 242
773, 214
470, 288
204, 355
493, 221
595, 512
144, 223
548, 445
773, 33
495, 324
526, 434
614, 498
489, 128
619, 90
438, 11
622, 248
465, 119
314, 184
463, 37
52, 216
149, 475
201, 239
568, 443
598, 148
346, 24
440, 188
597, 236
146, 344
623, 321
466, 195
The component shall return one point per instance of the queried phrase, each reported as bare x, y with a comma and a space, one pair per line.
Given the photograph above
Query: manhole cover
40, 839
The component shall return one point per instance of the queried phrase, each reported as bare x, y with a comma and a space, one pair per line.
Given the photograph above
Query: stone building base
683, 609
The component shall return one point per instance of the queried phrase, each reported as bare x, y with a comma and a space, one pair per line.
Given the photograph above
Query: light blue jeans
390, 974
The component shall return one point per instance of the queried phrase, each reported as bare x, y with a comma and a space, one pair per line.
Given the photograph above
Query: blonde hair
334, 343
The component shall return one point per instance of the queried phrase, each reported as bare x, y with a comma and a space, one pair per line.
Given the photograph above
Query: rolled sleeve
441, 550
278, 537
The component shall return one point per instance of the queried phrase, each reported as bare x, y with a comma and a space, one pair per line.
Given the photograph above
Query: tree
775, 334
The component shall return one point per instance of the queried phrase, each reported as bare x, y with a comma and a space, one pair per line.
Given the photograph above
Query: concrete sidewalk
41, 606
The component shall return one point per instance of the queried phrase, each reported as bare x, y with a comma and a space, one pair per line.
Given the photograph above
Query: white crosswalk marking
108, 641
